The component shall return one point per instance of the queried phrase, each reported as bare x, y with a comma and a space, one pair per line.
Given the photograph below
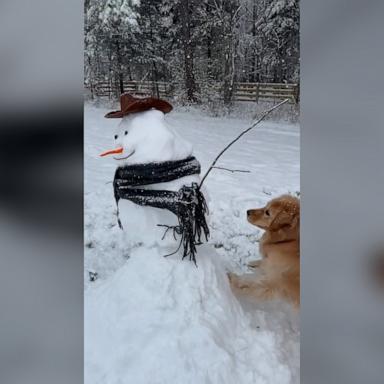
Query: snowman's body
146, 138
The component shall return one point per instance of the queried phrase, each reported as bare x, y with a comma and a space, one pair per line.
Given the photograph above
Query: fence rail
242, 91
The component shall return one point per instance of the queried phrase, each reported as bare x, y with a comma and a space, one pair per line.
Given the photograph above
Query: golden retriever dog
279, 268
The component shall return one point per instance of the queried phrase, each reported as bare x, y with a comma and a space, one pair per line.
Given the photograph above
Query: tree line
202, 47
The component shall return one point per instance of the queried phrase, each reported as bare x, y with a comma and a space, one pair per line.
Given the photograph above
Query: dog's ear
282, 219
288, 215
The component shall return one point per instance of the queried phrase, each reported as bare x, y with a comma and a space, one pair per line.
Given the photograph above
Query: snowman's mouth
126, 157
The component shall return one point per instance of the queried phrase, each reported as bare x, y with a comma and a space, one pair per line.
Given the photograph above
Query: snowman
158, 319
157, 177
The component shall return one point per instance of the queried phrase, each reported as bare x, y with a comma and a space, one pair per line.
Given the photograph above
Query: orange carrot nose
112, 151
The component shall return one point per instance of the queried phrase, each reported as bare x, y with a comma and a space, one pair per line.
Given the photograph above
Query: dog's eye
116, 136
126, 133
267, 212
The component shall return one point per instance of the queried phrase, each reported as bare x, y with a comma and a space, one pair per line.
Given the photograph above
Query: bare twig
232, 170
263, 116
168, 227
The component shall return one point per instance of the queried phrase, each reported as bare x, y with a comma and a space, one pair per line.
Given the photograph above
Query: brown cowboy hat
130, 104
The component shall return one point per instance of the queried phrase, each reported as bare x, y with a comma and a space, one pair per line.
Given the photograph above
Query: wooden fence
242, 91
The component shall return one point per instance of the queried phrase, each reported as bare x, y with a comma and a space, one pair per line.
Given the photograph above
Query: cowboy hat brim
140, 105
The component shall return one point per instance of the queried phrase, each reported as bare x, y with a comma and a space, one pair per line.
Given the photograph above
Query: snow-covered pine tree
281, 29
109, 40
186, 20
226, 15
118, 22
200, 48
154, 47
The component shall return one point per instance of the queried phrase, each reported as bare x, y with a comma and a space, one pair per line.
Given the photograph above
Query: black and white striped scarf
188, 204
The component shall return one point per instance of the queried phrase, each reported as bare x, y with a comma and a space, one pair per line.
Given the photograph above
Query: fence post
257, 92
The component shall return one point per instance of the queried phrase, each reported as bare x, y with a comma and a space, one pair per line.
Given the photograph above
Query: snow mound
162, 320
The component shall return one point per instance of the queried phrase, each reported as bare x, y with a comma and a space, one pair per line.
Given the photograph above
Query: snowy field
200, 343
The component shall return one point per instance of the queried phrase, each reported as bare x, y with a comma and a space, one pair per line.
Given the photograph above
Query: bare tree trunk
229, 51
257, 69
119, 66
228, 74
129, 73
209, 47
189, 77
254, 58
155, 85
121, 83
209, 57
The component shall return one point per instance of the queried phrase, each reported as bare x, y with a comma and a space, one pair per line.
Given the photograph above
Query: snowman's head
144, 137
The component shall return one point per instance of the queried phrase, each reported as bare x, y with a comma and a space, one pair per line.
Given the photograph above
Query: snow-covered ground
142, 330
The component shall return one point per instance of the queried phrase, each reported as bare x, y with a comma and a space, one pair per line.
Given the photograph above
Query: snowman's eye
116, 136
126, 133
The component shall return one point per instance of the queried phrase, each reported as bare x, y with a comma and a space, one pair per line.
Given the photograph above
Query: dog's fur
279, 268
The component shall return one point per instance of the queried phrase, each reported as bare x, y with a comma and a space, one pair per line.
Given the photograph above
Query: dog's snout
249, 212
